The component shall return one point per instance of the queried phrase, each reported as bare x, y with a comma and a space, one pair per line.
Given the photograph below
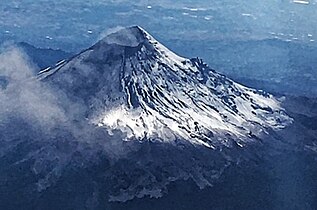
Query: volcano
177, 118
130, 82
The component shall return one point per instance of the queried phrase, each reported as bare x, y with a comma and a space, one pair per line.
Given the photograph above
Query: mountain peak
134, 84
130, 36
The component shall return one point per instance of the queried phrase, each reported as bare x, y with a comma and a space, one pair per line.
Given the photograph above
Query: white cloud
22, 95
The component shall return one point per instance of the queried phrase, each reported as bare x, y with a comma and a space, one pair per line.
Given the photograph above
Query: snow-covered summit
130, 37
131, 82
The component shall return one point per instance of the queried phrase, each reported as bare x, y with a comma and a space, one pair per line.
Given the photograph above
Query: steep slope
132, 83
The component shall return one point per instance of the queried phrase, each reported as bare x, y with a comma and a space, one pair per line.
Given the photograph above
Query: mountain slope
132, 83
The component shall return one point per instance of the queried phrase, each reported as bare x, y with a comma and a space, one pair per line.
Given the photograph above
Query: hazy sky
73, 24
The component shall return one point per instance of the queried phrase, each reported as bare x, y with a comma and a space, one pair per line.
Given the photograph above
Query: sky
75, 24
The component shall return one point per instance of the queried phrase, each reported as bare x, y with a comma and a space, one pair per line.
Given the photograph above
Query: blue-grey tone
165, 104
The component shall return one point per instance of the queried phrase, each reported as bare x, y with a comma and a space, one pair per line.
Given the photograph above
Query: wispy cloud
24, 97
